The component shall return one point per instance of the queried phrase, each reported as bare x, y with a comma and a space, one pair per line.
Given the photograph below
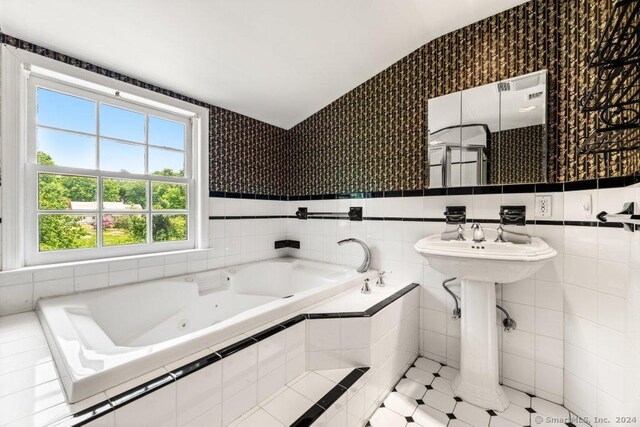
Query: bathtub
103, 338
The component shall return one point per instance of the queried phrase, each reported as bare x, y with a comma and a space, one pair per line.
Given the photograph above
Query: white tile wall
559, 311
231, 242
577, 317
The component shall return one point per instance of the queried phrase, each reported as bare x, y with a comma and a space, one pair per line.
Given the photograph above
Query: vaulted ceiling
278, 61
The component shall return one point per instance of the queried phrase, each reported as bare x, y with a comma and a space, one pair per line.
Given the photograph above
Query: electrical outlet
543, 207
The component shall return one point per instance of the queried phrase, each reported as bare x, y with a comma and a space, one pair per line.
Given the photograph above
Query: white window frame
22, 72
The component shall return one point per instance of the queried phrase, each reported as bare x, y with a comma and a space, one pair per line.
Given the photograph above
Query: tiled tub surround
103, 338
214, 386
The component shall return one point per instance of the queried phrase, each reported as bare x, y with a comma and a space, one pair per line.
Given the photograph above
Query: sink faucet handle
500, 238
365, 288
380, 282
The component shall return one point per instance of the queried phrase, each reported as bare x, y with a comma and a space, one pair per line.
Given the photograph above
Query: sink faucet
367, 253
478, 233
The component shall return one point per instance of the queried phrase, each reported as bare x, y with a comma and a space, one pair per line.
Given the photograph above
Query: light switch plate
543, 206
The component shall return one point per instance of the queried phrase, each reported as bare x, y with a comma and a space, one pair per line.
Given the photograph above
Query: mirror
490, 134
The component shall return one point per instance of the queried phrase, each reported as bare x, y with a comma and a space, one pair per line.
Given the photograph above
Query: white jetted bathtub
103, 338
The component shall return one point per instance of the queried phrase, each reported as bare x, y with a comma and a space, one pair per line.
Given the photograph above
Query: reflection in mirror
491, 134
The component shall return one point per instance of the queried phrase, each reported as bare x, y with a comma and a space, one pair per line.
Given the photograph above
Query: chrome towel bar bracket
626, 217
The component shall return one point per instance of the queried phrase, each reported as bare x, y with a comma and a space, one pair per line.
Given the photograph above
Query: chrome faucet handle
380, 282
365, 288
460, 230
500, 238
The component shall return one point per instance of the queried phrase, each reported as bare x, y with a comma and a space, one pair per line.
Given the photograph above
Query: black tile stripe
220, 217
135, 393
542, 187
293, 321
309, 417
416, 219
236, 347
331, 397
196, 366
385, 302
86, 416
268, 332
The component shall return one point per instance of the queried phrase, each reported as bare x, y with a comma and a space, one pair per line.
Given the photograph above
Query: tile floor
423, 397
284, 406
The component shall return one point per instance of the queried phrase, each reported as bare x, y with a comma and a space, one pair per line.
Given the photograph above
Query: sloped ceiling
278, 61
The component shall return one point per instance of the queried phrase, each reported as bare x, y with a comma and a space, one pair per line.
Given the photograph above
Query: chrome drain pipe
457, 313
508, 323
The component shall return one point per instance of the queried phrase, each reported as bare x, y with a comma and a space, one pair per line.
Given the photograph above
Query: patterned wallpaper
516, 155
373, 138
246, 155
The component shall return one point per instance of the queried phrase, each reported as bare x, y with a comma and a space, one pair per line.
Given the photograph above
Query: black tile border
541, 187
331, 397
592, 184
96, 411
441, 220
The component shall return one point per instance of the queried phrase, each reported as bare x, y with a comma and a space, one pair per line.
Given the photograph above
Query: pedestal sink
480, 266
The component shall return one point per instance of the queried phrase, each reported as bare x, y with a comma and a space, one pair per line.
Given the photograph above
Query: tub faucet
367, 253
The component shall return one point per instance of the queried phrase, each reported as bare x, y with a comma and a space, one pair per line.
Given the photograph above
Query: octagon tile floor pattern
423, 397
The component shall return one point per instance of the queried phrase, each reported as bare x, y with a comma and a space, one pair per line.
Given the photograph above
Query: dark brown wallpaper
373, 138
370, 139
516, 155
246, 155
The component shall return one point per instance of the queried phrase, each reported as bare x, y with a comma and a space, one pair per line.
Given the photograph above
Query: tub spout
367, 253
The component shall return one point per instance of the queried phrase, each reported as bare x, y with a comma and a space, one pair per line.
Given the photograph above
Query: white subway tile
199, 393
581, 271
581, 302
581, 241
271, 354
238, 404
155, 409
239, 371
549, 295
16, 298
549, 379
52, 287
355, 333
548, 323
611, 312
549, 351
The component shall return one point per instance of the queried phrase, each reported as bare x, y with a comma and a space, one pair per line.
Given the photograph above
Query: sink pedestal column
478, 382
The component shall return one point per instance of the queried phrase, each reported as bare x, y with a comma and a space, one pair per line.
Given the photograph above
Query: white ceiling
278, 61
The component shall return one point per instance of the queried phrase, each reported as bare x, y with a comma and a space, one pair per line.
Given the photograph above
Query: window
104, 175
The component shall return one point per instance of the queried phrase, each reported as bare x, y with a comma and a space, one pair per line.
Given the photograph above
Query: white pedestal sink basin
480, 266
